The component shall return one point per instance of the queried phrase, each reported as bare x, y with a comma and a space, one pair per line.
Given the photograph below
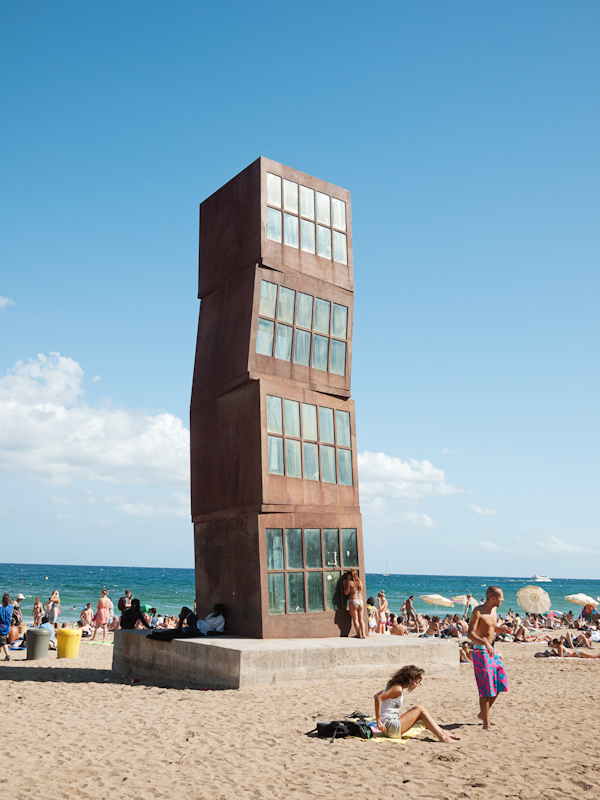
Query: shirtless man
410, 612
489, 670
87, 615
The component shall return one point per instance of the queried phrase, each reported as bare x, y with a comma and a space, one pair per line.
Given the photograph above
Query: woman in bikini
353, 589
382, 605
561, 651
38, 612
388, 704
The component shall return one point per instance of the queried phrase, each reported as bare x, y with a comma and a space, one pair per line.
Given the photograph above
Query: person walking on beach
487, 664
6, 615
389, 702
410, 611
102, 614
352, 589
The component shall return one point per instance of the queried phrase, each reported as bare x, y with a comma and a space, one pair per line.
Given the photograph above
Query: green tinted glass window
339, 327
268, 298
293, 458
349, 547
275, 455
312, 548
314, 586
328, 464
274, 421
309, 421
326, 425
332, 547
345, 467
264, 337
305, 310
287, 300
335, 600
293, 548
274, 538
342, 424
276, 582
311, 461
302, 347
292, 418
296, 593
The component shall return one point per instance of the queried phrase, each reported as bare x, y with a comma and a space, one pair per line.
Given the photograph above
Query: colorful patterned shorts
489, 672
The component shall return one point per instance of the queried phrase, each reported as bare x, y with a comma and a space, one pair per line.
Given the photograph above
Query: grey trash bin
38, 640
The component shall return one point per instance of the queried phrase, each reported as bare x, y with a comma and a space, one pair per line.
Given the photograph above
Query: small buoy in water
46, 577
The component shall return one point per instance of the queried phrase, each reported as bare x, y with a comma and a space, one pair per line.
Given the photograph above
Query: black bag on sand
338, 729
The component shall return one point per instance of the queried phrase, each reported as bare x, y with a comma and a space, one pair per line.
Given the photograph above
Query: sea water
169, 589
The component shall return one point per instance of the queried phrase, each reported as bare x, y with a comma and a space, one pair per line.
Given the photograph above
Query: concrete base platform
231, 662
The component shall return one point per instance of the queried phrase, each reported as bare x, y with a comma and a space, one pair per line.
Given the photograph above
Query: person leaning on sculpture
213, 624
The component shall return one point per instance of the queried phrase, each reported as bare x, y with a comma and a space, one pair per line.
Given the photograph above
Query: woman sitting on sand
433, 629
389, 702
558, 649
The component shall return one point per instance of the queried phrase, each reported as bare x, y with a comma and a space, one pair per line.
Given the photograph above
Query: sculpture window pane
305, 310
290, 196
302, 348
320, 352
291, 233
338, 357
264, 337
307, 230
307, 202
326, 433
328, 464
339, 325
312, 548
314, 586
276, 593
338, 213
323, 209
292, 418
273, 225
335, 598
340, 247
342, 424
273, 190
345, 467
283, 345
331, 540
322, 315
296, 592
309, 422
349, 547
268, 299
275, 455
293, 548
287, 299
323, 239
293, 458
274, 538
311, 461
274, 419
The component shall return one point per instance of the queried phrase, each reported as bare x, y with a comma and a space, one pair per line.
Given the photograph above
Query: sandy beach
74, 729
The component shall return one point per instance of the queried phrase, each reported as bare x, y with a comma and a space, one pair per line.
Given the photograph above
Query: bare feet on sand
449, 737
487, 726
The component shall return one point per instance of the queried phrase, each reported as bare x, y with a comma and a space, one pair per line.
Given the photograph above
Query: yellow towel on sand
411, 733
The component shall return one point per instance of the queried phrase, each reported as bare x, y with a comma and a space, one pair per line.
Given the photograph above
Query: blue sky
468, 136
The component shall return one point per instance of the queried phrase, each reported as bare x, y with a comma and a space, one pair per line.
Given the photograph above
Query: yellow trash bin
68, 642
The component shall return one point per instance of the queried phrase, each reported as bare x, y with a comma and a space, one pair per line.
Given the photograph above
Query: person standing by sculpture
352, 589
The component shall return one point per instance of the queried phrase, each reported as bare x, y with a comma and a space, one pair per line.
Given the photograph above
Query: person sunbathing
388, 704
583, 639
558, 649
433, 629
466, 653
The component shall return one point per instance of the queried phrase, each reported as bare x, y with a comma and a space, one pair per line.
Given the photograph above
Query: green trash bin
38, 640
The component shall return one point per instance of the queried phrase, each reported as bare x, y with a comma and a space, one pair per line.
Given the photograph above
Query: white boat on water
541, 579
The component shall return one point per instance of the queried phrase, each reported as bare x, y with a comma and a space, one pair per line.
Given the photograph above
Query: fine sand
73, 729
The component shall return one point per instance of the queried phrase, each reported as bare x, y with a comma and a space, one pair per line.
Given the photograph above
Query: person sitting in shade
190, 625
132, 615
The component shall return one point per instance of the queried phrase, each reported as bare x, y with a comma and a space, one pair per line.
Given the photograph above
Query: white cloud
418, 520
50, 431
96, 378
556, 545
6, 301
390, 477
484, 512
447, 452
489, 546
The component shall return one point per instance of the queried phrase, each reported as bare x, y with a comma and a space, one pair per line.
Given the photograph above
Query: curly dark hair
406, 675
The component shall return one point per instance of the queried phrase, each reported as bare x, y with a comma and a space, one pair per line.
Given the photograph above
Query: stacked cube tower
275, 500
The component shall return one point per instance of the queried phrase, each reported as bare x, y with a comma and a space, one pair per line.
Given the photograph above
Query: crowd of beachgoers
104, 617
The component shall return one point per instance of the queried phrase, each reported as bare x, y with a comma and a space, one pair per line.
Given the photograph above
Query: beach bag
339, 729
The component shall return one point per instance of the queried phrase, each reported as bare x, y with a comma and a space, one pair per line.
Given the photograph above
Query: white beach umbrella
533, 600
581, 600
436, 600
461, 599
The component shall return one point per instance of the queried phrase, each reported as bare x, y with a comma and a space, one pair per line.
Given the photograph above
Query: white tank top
391, 708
